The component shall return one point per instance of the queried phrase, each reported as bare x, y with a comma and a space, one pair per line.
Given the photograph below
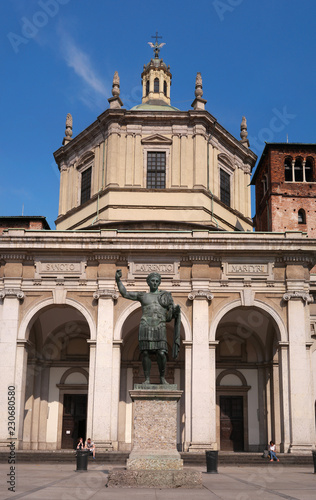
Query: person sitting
91, 447
80, 445
272, 452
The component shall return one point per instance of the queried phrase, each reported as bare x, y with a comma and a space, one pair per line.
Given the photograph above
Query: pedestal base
154, 460
155, 479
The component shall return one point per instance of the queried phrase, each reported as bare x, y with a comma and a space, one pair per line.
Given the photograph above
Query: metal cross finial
156, 36
157, 46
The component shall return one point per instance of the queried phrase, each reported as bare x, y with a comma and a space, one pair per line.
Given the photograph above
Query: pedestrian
80, 445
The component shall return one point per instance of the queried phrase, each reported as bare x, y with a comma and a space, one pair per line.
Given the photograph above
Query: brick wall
277, 209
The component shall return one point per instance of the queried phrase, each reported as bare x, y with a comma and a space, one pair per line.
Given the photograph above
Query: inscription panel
49, 269
142, 269
240, 268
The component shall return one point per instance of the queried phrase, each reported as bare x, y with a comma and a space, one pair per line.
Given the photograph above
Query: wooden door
231, 423
74, 419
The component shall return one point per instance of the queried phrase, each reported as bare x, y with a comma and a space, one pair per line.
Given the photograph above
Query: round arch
281, 329
33, 313
133, 307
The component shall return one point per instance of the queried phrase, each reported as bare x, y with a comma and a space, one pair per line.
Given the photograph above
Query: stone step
190, 459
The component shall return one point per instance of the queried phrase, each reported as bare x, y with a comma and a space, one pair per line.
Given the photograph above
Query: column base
301, 449
201, 447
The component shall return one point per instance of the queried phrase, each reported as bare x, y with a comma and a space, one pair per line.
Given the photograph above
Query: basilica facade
149, 189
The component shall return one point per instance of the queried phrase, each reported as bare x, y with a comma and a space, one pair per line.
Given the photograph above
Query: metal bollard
314, 460
211, 461
82, 459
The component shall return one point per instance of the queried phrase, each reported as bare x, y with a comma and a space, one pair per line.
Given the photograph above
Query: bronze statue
158, 308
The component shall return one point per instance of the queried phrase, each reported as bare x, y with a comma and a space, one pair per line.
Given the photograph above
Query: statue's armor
152, 328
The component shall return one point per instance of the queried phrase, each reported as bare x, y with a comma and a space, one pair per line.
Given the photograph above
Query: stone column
11, 374
203, 398
116, 369
188, 394
284, 396
103, 379
300, 377
92, 356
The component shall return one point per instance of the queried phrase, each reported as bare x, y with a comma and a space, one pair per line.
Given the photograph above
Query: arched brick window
301, 216
147, 87
288, 173
165, 88
309, 167
298, 170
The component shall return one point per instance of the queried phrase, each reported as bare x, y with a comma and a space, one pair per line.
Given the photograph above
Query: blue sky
257, 59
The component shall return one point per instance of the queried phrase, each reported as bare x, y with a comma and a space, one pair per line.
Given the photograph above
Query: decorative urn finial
244, 132
199, 102
115, 101
68, 131
198, 85
116, 85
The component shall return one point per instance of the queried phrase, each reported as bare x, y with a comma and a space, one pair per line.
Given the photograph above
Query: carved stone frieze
105, 294
11, 293
200, 294
304, 296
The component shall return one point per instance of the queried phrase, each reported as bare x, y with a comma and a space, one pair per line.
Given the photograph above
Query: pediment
156, 139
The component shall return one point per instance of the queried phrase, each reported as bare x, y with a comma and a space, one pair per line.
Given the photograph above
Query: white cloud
94, 89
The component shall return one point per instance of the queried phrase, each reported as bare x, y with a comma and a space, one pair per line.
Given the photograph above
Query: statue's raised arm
122, 289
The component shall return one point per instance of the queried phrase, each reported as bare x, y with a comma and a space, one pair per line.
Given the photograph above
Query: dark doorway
74, 419
232, 423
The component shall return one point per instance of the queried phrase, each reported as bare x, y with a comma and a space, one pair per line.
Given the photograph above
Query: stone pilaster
300, 377
103, 373
12, 366
203, 397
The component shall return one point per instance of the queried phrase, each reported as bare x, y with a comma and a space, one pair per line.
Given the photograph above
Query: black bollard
314, 460
82, 459
211, 461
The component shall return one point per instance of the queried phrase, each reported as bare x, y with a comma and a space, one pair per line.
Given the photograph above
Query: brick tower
285, 184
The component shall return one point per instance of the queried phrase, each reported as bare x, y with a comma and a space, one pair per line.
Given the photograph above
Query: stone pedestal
154, 461
155, 428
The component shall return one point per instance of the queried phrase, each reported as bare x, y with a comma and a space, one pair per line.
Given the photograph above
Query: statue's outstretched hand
118, 275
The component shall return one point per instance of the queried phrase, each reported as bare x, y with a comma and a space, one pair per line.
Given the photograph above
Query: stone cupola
156, 77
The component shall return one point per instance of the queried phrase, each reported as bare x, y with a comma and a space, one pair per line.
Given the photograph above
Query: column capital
105, 294
11, 293
297, 295
200, 294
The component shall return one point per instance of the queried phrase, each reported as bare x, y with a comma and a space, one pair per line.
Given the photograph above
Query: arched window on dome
156, 85
309, 167
301, 216
147, 87
298, 170
288, 172
165, 88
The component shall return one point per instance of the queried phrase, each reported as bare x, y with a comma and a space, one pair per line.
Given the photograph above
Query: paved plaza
62, 482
